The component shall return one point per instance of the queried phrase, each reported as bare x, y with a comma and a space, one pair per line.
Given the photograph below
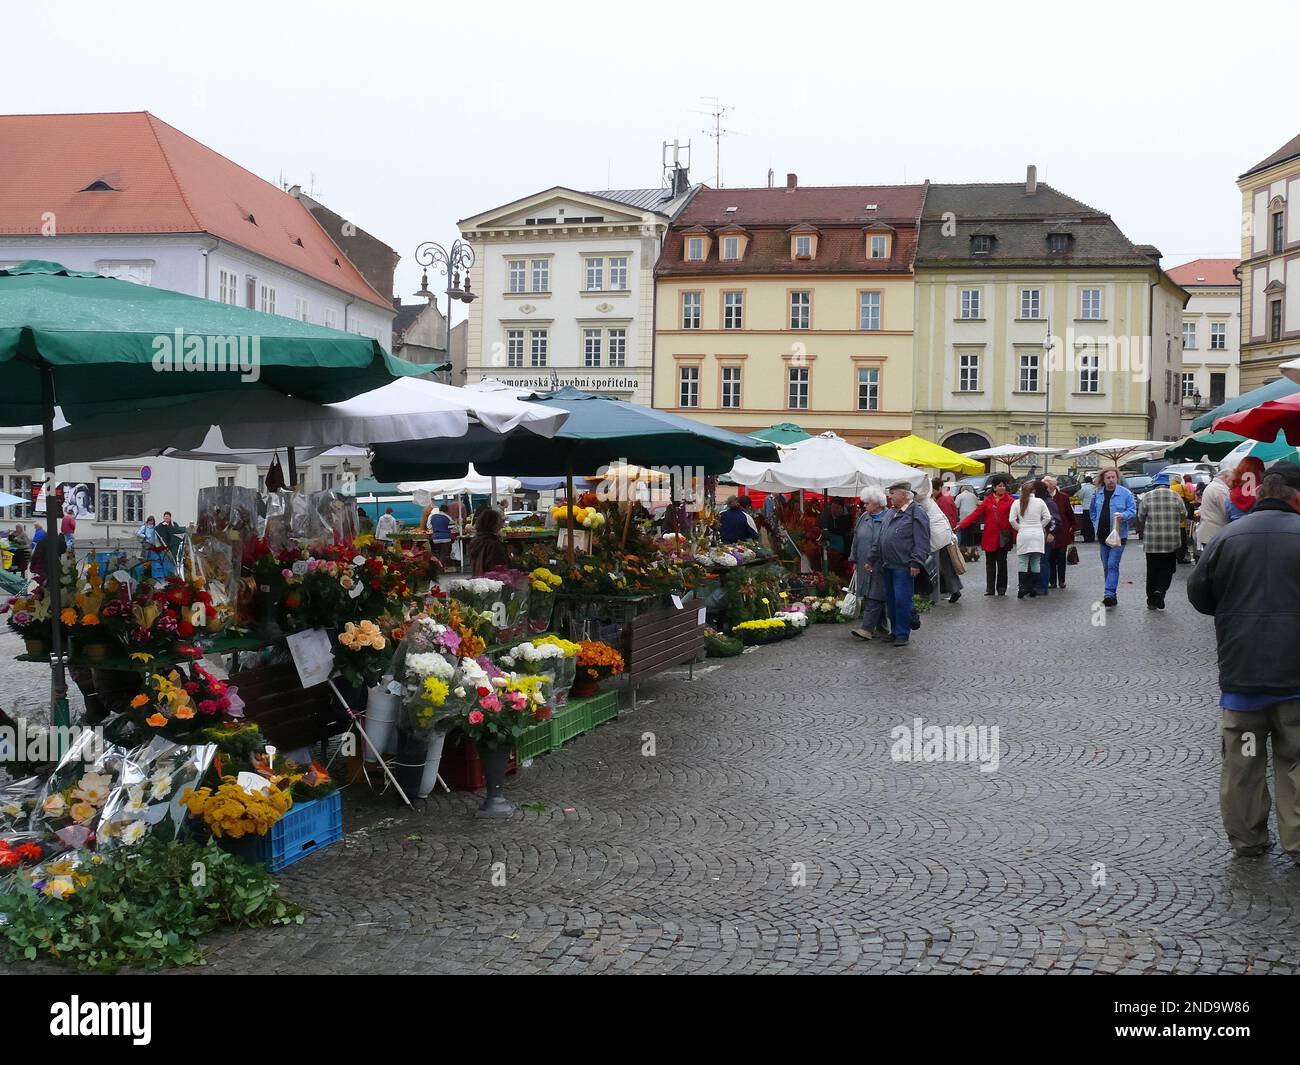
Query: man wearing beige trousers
1249, 579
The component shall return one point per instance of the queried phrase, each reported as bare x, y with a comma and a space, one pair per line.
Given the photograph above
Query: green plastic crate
602, 707
534, 740
572, 719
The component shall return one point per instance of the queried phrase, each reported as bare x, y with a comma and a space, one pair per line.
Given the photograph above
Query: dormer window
695, 249
731, 247
803, 246
1059, 242
879, 246
99, 186
981, 244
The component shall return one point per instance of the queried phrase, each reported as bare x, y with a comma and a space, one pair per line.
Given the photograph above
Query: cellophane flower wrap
149, 797
72, 799
424, 673
495, 711
566, 670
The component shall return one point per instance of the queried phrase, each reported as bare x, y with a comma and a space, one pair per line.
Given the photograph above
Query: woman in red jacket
1062, 535
998, 535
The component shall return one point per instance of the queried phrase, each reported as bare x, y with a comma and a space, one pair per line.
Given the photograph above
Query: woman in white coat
943, 576
1030, 518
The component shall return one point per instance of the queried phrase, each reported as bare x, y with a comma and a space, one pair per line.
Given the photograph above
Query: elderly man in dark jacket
901, 550
868, 586
1249, 579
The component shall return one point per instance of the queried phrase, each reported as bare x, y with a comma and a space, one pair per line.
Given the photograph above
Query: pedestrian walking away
1086, 491
998, 535
1212, 518
1041, 491
1032, 521
1112, 508
944, 578
869, 585
1249, 579
1063, 536
386, 526
967, 503
901, 550
1159, 519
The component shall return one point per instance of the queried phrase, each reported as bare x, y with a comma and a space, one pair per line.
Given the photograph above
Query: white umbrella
473, 482
825, 463
1012, 453
1118, 450
256, 420
1290, 370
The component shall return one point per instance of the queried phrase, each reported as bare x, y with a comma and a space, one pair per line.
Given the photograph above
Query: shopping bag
849, 605
1113, 539
955, 556
1072, 556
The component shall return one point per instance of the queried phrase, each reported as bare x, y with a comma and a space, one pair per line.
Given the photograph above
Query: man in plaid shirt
1160, 516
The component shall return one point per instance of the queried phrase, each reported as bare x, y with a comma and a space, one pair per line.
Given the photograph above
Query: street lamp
453, 262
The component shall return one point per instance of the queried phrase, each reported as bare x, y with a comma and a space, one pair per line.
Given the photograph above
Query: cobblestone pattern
684, 861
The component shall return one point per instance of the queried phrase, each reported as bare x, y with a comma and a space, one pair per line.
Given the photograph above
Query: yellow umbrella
914, 451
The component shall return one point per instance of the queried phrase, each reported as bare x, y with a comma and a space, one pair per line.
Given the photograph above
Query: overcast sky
409, 116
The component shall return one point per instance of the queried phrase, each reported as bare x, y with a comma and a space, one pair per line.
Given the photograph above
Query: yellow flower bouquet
232, 812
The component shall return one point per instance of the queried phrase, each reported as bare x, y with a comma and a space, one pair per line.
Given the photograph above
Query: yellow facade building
790, 305
1270, 265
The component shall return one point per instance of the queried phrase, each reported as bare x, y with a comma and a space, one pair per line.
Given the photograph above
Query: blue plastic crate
305, 829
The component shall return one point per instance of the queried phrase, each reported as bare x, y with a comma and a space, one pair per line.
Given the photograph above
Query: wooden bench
658, 639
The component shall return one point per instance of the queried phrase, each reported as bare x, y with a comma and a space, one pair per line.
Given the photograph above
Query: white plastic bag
1113, 539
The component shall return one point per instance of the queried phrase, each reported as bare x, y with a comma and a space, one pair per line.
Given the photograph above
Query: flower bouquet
19, 849
497, 710
596, 661
71, 802
566, 667
180, 706
362, 653
542, 659
153, 784
80, 618
541, 598
29, 616
759, 631
233, 811
17, 800
796, 620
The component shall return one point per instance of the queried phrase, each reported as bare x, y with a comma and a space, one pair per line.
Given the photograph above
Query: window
731, 386
1218, 388
618, 347
1030, 302
105, 503
591, 347
868, 388
731, 247
689, 393
266, 303
1275, 320
595, 275
228, 287
21, 487
695, 248
1218, 336
1026, 439
538, 338
733, 310
803, 246
1058, 242
1089, 462
1279, 238
514, 347
879, 246
798, 393
228, 481
618, 273
800, 310
868, 310
1090, 372
328, 318
327, 479
970, 303
1029, 373
250, 293
300, 309
981, 244
968, 372
1189, 336
541, 275
690, 310
1189, 385
133, 508
261, 482
1090, 303
517, 273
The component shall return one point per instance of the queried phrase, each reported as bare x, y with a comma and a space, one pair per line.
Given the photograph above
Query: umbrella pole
826, 553
568, 494
293, 469
53, 575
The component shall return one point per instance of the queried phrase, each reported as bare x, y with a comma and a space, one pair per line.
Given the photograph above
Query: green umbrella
90, 344
1274, 390
598, 431
1211, 446
782, 433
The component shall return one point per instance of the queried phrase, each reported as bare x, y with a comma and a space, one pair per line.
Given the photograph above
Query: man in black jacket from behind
1249, 579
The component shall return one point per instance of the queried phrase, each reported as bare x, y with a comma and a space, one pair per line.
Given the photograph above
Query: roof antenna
718, 112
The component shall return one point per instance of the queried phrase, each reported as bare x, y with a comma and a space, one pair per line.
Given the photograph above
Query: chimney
771, 177
295, 191
397, 303
1031, 180
792, 181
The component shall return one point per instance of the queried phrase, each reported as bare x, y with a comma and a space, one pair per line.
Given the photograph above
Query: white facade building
147, 204
1211, 335
566, 289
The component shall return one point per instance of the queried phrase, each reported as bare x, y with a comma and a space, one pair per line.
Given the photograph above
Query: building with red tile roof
1211, 370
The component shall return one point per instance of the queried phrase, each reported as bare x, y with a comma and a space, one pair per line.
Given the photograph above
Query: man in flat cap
902, 549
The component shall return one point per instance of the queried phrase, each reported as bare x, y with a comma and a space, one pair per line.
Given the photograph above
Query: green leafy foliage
144, 907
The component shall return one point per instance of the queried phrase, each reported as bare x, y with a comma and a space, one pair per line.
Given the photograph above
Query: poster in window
79, 499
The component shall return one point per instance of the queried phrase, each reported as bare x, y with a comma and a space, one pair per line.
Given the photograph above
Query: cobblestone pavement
685, 861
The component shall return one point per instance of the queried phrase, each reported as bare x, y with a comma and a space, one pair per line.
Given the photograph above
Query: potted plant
759, 631
29, 617
596, 661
